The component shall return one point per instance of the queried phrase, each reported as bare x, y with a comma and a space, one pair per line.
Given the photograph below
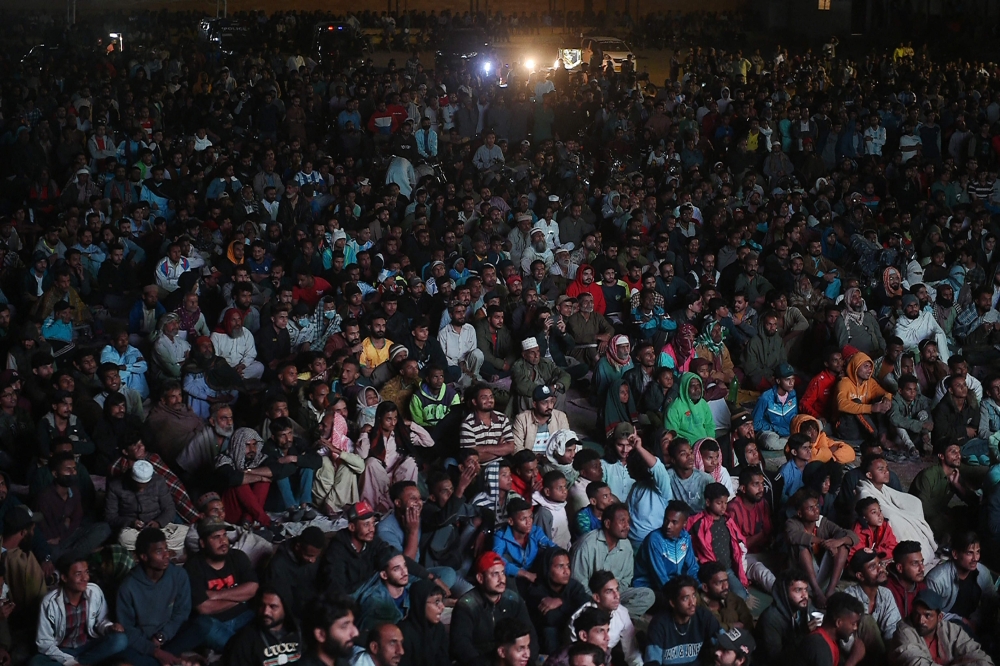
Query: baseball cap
19, 518
784, 370
540, 393
930, 600
359, 511
487, 561
737, 640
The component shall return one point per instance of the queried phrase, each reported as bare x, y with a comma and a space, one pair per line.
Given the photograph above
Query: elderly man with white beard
198, 457
916, 325
537, 251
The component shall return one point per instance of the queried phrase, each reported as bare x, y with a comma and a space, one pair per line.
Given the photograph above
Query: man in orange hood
862, 405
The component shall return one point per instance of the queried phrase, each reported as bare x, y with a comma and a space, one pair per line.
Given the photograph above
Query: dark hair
869, 461
59, 458
585, 457
904, 548
863, 505
589, 618
672, 590
675, 446
797, 441
507, 631
552, 477
148, 538
714, 491
593, 488
906, 380
322, 611
522, 457
396, 489
677, 506
708, 570
599, 579
609, 514
65, 562
582, 648
961, 541
747, 475
840, 605
801, 496
281, 424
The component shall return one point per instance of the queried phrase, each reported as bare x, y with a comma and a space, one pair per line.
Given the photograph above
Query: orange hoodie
855, 396
823, 447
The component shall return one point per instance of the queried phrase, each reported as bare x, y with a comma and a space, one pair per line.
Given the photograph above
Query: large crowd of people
311, 360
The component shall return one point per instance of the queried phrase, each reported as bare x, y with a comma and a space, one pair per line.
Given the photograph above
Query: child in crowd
550, 508
799, 451
711, 545
708, 459
526, 479
520, 542
873, 530
818, 546
911, 415
668, 551
589, 517
587, 464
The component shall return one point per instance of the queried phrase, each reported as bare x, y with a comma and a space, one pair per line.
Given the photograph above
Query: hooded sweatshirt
146, 608
551, 517
764, 353
822, 447
424, 644
577, 288
780, 629
573, 595
254, 645
691, 420
855, 396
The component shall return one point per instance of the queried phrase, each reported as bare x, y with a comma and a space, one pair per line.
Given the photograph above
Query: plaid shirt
185, 509
76, 624
476, 433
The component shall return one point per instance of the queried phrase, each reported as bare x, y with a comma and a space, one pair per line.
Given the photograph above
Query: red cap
849, 351
488, 560
359, 511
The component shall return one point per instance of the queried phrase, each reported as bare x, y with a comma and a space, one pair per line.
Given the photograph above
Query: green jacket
525, 377
503, 352
427, 410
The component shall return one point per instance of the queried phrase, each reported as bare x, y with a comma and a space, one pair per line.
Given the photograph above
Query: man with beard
916, 325
538, 251
375, 348
273, 637
222, 582
459, 344
330, 631
906, 575
927, 637
64, 525
294, 568
475, 619
236, 346
752, 283
764, 353
840, 625
716, 595
385, 646
198, 456
878, 623
171, 424
542, 282
590, 331
349, 338
785, 623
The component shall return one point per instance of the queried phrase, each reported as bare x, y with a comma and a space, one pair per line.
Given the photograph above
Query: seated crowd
291, 352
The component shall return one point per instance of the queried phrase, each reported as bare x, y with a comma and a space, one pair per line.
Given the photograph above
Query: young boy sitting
911, 415
447, 521
550, 512
588, 464
520, 542
495, 513
873, 530
817, 546
799, 451
717, 538
666, 552
599, 497
526, 479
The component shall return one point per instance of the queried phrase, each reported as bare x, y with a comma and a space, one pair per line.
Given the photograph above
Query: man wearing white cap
538, 250
139, 500
532, 370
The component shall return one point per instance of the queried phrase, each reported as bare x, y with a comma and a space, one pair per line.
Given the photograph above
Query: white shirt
457, 345
621, 631
235, 350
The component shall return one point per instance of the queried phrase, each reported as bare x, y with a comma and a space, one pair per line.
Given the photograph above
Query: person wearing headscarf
810, 301
170, 350
560, 451
677, 354
714, 466
619, 407
858, 327
368, 402
235, 256
689, 415
236, 346
889, 288
425, 639
336, 482
917, 325
241, 470
111, 432
616, 362
823, 477
824, 447
711, 345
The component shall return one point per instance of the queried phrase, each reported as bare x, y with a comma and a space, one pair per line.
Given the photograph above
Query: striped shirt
478, 433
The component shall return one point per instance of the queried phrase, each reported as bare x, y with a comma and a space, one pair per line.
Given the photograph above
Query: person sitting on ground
966, 586
143, 500
715, 595
784, 624
927, 637
878, 622
678, 634
717, 538
810, 536
621, 631
840, 623
825, 448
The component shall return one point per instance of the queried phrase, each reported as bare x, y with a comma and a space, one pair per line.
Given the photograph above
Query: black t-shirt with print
237, 570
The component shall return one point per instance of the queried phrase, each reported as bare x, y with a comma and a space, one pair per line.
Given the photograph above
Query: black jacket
254, 645
295, 581
950, 424
343, 569
473, 620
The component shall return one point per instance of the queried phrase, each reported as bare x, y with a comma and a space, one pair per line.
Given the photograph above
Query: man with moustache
273, 634
329, 631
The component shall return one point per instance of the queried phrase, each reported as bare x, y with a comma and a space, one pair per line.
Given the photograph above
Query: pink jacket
700, 527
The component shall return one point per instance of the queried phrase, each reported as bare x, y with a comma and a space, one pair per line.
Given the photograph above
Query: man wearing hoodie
154, 603
273, 634
764, 353
862, 404
783, 624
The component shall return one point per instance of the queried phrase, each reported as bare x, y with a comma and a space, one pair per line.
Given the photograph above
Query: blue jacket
135, 315
146, 608
377, 606
792, 476
659, 559
514, 555
646, 503
771, 415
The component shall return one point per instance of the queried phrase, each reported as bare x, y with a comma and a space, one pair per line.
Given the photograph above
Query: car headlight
530, 64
